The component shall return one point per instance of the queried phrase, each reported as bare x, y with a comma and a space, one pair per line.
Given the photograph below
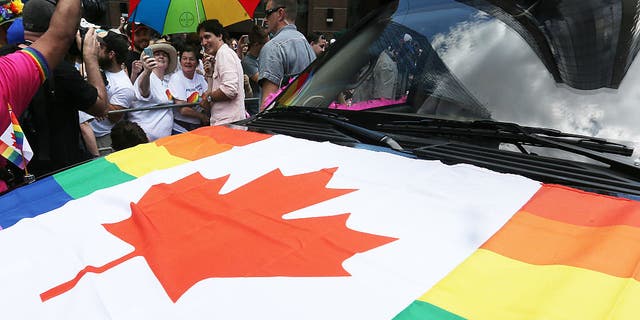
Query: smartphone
148, 52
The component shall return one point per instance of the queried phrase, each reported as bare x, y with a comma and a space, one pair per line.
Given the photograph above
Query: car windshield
562, 65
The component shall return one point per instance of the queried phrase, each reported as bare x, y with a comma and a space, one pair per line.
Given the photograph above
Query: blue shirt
250, 66
284, 56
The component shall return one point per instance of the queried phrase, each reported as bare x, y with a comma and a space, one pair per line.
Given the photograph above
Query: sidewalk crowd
84, 92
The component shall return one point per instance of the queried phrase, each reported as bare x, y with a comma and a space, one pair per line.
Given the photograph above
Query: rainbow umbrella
183, 16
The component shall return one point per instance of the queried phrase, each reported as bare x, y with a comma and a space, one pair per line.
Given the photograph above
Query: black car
443, 160
544, 89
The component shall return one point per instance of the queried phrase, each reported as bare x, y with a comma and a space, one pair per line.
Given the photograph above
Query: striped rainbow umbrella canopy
183, 16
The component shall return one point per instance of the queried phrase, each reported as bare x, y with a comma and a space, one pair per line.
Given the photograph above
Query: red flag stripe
582, 208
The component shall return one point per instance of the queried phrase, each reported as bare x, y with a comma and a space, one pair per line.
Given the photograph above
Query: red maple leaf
188, 232
15, 141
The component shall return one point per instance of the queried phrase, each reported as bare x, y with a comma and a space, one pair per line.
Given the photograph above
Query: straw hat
171, 51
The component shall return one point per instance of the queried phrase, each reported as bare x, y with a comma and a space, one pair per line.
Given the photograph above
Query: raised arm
55, 42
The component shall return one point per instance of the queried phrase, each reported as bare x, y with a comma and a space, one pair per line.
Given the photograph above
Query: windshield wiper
340, 123
591, 143
512, 132
497, 129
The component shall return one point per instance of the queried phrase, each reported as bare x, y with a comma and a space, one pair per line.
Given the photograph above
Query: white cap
407, 37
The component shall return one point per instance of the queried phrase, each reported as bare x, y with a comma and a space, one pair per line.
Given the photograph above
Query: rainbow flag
117, 168
192, 226
194, 97
13, 143
566, 254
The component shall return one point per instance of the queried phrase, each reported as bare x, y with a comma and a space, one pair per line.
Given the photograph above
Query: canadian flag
228, 224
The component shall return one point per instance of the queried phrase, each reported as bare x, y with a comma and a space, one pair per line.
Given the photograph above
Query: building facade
587, 44
324, 16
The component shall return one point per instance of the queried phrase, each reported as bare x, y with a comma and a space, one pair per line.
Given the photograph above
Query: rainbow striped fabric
193, 98
11, 154
117, 168
566, 254
14, 145
40, 62
351, 234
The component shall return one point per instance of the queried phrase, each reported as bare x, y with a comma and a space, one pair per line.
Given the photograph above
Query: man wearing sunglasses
287, 53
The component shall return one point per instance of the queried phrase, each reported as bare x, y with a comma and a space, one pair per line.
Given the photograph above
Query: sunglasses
272, 10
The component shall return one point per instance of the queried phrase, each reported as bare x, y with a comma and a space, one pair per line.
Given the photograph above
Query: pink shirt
21, 74
229, 78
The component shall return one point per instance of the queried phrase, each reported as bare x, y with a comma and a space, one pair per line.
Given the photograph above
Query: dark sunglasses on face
272, 10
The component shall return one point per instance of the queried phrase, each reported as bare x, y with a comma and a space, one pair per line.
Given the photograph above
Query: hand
208, 63
123, 21
204, 102
98, 113
90, 46
148, 63
78, 41
204, 119
136, 67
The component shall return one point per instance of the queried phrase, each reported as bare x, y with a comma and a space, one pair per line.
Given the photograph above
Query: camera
94, 10
84, 27
75, 49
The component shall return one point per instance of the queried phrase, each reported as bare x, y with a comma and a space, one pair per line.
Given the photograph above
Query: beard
104, 62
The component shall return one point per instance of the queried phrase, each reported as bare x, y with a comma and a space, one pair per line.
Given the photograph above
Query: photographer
51, 122
23, 70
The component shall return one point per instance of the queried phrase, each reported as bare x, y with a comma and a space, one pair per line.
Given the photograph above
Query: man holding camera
23, 72
113, 51
52, 125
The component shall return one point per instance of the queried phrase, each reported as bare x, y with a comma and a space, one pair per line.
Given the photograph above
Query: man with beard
141, 36
120, 93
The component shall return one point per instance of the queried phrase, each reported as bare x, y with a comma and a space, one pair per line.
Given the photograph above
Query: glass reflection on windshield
450, 60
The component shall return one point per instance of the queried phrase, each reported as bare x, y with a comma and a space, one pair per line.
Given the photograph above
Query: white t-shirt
85, 117
155, 123
120, 92
181, 88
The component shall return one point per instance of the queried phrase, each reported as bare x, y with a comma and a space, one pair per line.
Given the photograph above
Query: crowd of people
83, 92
